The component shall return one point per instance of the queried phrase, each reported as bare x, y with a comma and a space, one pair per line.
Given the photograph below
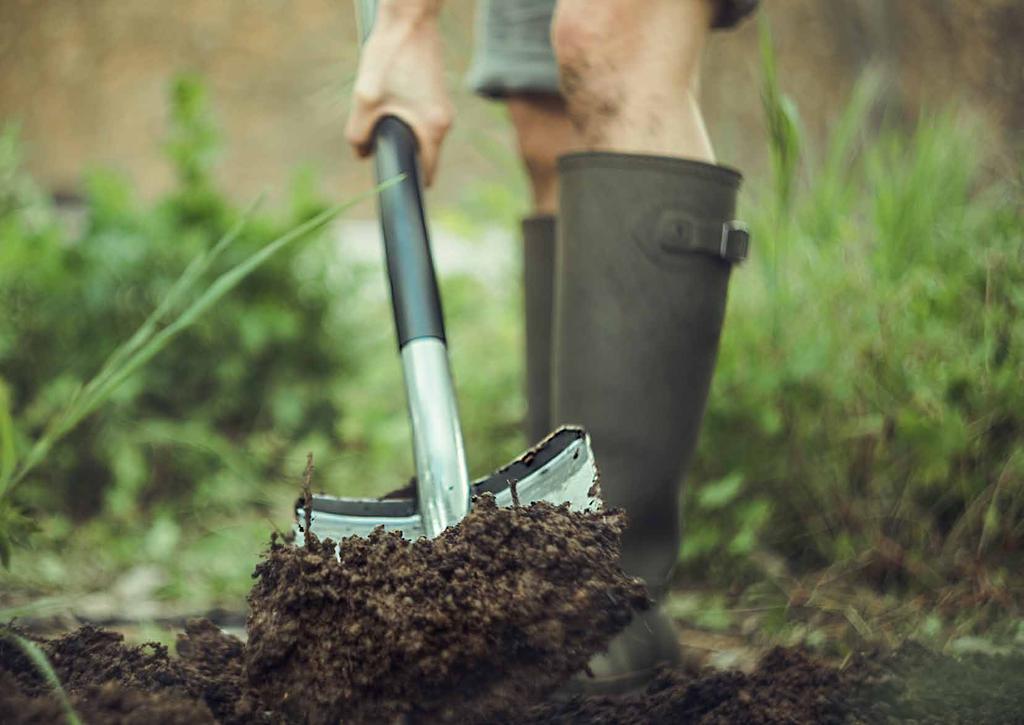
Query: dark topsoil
480, 625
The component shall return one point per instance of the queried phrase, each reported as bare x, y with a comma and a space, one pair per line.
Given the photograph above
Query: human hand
401, 73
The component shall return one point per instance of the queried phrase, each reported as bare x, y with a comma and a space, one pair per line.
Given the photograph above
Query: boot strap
680, 233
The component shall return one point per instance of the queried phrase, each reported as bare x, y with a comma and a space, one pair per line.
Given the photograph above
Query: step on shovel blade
560, 469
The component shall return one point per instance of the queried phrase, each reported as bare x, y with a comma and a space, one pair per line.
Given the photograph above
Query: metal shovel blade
560, 469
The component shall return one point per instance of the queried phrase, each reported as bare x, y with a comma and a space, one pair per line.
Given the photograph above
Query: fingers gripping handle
414, 294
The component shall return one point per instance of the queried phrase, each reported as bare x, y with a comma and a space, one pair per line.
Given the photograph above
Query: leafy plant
868, 401
163, 325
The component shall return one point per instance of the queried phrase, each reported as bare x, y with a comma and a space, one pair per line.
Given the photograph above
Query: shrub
868, 403
216, 409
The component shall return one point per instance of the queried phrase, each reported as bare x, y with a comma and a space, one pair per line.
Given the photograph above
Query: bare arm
401, 73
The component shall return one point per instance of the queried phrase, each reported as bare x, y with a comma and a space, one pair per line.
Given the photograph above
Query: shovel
559, 469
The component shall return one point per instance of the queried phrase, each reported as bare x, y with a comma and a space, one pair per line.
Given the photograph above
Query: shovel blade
560, 469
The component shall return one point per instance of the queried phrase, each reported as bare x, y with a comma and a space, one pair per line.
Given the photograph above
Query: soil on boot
495, 613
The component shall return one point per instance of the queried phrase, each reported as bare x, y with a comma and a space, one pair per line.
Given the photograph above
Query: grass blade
142, 348
196, 268
41, 663
6, 439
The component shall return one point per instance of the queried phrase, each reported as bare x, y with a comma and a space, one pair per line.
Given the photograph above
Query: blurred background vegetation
861, 470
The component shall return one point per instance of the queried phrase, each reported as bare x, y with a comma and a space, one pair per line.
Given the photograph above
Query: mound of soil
788, 686
108, 681
497, 611
480, 625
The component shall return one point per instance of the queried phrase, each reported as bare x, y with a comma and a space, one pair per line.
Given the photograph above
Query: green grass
863, 437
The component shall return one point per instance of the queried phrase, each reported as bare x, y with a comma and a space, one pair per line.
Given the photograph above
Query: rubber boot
539, 293
646, 248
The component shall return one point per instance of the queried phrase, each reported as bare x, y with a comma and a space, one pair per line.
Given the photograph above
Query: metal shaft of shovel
558, 470
442, 479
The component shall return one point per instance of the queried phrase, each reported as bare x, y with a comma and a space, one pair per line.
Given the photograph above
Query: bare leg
629, 72
543, 132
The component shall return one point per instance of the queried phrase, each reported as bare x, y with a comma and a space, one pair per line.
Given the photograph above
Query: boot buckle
735, 242
676, 233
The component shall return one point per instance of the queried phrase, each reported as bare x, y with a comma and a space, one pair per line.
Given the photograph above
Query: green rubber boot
647, 245
539, 294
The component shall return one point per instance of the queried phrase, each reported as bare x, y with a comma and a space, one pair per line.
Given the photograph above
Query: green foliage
192, 460
257, 367
868, 405
866, 416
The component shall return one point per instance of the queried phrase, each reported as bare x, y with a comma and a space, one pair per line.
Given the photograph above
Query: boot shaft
646, 246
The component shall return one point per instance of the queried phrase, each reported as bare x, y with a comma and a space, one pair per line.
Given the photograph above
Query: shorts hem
491, 81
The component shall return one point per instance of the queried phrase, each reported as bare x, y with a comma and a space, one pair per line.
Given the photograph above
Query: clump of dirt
213, 665
788, 686
109, 681
496, 612
109, 703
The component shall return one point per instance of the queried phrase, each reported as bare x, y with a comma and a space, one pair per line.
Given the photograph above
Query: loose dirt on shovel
496, 611
480, 625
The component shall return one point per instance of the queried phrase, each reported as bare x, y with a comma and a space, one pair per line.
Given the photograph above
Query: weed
41, 663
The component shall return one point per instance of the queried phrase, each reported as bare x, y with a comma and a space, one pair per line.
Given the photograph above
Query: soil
788, 686
108, 681
111, 682
498, 610
481, 625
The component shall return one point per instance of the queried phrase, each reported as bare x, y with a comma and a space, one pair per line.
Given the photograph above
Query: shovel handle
442, 481
415, 298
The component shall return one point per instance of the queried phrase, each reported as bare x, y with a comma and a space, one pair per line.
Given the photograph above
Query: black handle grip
415, 299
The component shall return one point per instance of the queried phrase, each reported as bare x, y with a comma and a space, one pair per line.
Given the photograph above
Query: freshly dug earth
495, 612
787, 687
478, 625
911, 685
110, 682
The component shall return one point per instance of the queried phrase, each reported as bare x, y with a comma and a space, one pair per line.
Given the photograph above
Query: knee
583, 38
597, 45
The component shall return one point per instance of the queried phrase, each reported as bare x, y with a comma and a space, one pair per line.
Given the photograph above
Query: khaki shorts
513, 45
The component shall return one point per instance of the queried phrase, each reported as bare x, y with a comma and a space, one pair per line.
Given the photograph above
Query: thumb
365, 113
428, 139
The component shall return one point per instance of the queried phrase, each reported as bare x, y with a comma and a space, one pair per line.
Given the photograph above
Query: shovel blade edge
560, 469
